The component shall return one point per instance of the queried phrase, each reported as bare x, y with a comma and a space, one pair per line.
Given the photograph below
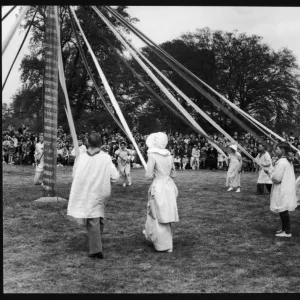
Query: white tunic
233, 178
39, 150
82, 149
162, 205
283, 193
264, 159
91, 186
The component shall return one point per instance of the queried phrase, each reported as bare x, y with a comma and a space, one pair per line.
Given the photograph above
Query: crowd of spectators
190, 150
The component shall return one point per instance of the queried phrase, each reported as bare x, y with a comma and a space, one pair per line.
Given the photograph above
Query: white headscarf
234, 147
157, 143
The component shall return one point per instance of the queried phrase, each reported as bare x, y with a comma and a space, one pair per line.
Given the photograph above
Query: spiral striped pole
50, 102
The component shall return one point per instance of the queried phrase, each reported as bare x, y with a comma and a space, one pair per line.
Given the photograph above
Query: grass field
223, 243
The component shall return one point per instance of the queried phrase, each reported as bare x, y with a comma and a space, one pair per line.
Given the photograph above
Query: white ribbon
109, 92
14, 28
62, 80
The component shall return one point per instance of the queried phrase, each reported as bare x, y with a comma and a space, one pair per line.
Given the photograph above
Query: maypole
50, 102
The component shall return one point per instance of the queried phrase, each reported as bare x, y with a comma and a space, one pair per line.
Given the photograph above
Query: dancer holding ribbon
123, 156
162, 194
233, 179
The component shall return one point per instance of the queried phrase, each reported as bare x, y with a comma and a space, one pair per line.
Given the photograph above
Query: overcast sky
279, 27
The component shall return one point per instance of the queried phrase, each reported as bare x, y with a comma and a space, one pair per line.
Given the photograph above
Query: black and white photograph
150, 149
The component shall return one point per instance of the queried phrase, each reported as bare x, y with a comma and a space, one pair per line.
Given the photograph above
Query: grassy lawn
224, 241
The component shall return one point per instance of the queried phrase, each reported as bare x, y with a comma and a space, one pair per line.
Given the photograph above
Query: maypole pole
50, 102
50, 107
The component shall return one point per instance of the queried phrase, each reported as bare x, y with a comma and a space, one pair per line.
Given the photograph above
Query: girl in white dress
233, 179
283, 193
162, 194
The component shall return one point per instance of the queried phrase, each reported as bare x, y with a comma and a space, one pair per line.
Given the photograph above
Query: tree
83, 97
259, 80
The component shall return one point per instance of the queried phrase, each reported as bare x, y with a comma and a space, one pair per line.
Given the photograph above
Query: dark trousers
261, 187
285, 220
95, 228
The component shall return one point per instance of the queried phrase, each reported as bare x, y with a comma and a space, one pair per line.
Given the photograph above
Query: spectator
195, 158
212, 158
203, 156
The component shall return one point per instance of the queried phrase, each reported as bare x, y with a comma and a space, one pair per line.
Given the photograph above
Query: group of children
281, 182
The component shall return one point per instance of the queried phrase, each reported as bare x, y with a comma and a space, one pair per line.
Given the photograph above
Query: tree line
261, 81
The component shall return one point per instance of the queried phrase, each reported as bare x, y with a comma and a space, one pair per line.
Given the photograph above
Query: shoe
124, 184
170, 250
96, 255
230, 189
279, 231
283, 234
238, 190
129, 184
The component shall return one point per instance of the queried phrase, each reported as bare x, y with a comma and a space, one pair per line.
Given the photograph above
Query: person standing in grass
264, 161
123, 156
162, 194
233, 179
283, 193
93, 173
195, 158
39, 160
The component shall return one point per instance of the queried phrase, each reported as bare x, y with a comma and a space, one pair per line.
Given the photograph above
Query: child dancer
283, 193
233, 179
162, 194
123, 156
221, 160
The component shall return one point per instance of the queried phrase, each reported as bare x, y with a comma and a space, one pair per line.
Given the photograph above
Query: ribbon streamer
154, 78
14, 28
64, 88
110, 93
91, 75
8, 12
175, 65
175, 112
19, 50
200, 111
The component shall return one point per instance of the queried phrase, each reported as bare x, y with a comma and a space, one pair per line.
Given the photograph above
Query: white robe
82, 149
39, 150
162, 205
264, 159
283, 193
233, 178
91, 186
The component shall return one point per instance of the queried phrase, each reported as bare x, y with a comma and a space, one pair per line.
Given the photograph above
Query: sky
279, 27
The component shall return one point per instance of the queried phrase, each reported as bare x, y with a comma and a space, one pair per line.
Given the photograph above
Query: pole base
53, 201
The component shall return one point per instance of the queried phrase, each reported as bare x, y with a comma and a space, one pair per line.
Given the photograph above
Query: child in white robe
283, 194
264, 161
233, 179
93, 173
123, 156
162, 194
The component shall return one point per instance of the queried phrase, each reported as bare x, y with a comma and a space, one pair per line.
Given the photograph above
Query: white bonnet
157, 140
234, 147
